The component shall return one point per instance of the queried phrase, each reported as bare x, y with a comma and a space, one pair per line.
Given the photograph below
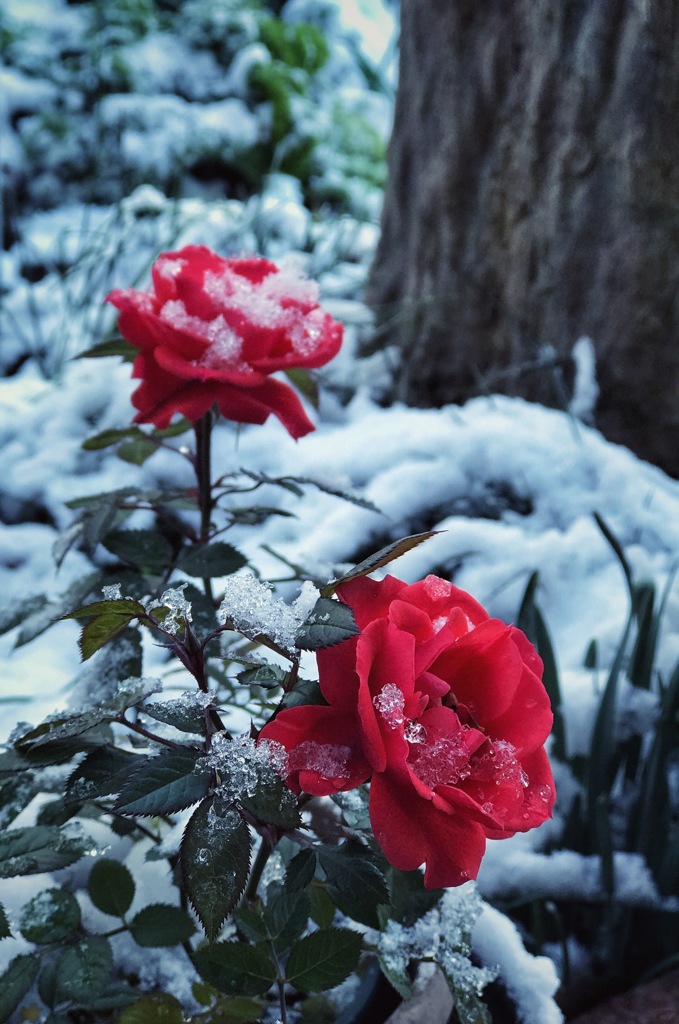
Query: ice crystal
445, 762
328, 759
242, 767
252, 608
390, 703
179, 608
112, 593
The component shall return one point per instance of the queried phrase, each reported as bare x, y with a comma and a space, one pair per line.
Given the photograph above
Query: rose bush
213, 330
442, 708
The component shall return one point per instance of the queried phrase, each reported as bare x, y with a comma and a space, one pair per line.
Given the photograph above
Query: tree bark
533, 198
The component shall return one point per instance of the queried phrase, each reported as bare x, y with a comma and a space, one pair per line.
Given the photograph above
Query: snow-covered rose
213, 330
443, 709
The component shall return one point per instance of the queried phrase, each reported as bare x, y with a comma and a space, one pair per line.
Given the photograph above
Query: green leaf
322, 907
5, 930
138, 451
356, 883
161, 924
300, 870
114, 347
215, 863
107, 620
532, 623
206, 561
266, 676
235, 968
382, 557
159, 1009
51, 916
166, 783
305, 383
102, 772
187, 716
111, 887
56, 730
148, 550
273, 804
45, 615
16, 982
286, 917
38, 848
110, 437
329, 623
305, 691
12, 615
409, 898
84, 970
323, 959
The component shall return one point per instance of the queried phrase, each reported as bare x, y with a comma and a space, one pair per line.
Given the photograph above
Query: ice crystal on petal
437, 588
445, 762
390, 703
500, 765
328, 759
415, 732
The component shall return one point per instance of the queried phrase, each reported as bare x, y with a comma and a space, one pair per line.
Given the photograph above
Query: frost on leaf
251, 607
441, 936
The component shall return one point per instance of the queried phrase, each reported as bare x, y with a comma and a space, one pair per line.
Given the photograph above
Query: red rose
443, 709
212, 330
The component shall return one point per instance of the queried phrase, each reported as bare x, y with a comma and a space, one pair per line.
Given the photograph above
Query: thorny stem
263, 854
203, 430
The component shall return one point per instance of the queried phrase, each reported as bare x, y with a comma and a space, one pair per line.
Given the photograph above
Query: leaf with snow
5, 930
166, 783
38, 848
329, 623
380, 558
215, 862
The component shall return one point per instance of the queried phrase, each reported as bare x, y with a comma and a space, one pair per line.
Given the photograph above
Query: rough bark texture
533, 198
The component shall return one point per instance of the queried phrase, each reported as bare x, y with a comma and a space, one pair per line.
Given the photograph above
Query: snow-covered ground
512, 487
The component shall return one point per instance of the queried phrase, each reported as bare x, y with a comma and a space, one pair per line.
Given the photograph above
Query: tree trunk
533, 198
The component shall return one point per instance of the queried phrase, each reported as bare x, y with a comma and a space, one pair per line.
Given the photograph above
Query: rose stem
203, 430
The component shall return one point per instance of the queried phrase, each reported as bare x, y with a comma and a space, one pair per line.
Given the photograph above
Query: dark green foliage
111, 887
166, 783
323, 959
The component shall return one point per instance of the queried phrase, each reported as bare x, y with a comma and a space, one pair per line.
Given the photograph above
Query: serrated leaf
300, 870
38, 848
111, 887
45, 615
329, 623
166, 783
380, 558
16, 982
179, 713
206, 561
148, 550
161, 924
267, 676
106, 438
215, 863
356, 882
409, 898
273, 804
286, 917
5, 930
56, 730
322, 907
305, 691
251, 923
102, 772
323, 959
84, 970
51, 916
235, 968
